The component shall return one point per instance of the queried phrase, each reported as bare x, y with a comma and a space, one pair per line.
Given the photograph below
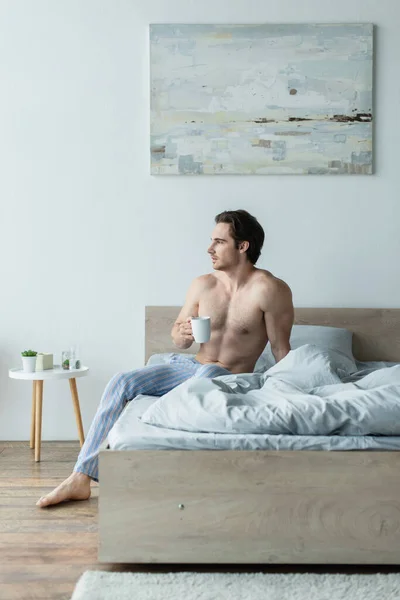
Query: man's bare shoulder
204, 282
270, 287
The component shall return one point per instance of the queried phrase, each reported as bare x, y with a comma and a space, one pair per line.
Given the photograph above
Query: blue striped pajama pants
153, 380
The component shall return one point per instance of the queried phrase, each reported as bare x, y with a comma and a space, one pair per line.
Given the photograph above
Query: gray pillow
336, 340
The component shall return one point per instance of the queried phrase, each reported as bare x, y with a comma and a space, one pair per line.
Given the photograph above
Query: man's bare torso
238, 331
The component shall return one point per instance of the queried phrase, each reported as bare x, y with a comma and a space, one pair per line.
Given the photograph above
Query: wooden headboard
376, 330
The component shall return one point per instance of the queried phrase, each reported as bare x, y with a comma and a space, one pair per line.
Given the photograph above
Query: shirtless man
248, 306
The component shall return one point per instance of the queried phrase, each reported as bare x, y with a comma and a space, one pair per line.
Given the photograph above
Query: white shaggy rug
104, 585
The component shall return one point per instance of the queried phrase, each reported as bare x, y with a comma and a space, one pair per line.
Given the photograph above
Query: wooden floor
43, 552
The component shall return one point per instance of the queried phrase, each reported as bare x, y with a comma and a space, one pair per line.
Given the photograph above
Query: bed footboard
249, 507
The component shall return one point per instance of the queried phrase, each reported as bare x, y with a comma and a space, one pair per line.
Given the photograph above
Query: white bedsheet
303, 394
130, 433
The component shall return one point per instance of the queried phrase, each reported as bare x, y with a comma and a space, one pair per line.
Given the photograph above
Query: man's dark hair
244, 228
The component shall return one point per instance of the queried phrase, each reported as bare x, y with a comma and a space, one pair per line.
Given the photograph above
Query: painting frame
261, 98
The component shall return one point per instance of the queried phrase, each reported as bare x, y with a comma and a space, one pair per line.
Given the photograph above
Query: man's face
222, 249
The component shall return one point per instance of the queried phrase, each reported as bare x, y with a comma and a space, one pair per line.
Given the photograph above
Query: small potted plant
29, 360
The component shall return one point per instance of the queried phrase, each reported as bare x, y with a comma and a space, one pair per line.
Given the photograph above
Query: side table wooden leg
38, 426
33, 415
75, 401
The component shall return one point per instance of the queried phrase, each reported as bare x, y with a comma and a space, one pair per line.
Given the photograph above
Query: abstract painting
261, 99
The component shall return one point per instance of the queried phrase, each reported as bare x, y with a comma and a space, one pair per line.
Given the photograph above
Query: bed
255, 506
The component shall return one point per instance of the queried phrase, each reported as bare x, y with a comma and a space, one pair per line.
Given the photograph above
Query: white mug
201, 327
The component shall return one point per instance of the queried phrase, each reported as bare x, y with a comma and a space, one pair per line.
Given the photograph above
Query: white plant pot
29, 363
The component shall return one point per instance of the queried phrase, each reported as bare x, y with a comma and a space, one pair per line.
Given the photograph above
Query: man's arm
181, 333
278, 316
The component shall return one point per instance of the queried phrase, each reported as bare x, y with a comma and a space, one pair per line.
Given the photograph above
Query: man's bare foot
76, 487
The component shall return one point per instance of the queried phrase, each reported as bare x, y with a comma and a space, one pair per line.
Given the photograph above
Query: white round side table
38, 377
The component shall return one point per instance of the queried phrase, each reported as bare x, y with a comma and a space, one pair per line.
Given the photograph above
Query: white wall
87, 237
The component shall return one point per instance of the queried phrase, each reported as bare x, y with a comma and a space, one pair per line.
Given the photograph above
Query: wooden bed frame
256, 507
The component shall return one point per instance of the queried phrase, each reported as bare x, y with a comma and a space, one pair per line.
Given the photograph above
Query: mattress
130, 433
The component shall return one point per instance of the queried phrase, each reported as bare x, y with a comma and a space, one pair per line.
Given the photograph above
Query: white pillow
335, 339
